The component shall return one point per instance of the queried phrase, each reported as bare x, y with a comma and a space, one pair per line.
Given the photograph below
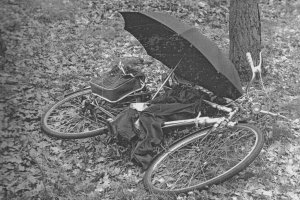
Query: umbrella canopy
174, 43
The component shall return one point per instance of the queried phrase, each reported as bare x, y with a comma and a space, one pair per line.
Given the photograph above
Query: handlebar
254, 70
274, 114
250, 61
256, 108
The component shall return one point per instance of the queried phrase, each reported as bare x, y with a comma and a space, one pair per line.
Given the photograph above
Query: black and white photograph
150, 100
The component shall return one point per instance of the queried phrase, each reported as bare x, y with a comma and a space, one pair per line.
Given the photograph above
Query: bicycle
207, 156
203, 158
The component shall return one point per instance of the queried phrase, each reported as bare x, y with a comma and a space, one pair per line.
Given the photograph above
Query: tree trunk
244, 34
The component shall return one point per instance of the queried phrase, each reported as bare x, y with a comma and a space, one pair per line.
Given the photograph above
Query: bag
117, 84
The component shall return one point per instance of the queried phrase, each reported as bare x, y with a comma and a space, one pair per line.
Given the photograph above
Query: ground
50, 48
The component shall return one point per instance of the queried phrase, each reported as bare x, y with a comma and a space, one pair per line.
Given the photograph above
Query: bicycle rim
204, 158
71, 118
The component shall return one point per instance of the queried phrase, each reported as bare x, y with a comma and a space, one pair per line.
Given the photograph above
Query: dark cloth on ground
150, 133
179, 103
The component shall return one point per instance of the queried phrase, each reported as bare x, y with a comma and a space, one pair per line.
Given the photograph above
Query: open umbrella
174, 43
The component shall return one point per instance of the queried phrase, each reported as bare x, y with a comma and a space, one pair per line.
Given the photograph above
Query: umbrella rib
168, 77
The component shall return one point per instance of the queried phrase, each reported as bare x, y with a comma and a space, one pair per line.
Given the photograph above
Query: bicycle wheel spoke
68, 118
81, 114
204, 159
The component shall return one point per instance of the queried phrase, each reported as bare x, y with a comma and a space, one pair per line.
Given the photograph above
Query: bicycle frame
216, 122
230, 111
205, 120
197, 120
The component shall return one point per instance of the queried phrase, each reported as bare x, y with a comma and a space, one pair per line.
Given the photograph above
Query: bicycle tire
57, 131
159, 177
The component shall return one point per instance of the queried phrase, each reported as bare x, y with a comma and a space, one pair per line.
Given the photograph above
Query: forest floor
50, 48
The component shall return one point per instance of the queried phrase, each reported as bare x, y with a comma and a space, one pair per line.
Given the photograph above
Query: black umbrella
171, 42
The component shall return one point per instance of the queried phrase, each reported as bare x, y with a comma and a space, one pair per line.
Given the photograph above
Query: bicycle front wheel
204, 158
76, 116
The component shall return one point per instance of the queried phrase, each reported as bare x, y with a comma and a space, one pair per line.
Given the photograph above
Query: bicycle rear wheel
204, 158
76, 117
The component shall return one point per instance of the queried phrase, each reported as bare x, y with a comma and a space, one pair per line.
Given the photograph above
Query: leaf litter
55, 47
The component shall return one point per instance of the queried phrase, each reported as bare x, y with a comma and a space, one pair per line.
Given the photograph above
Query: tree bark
244, 34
